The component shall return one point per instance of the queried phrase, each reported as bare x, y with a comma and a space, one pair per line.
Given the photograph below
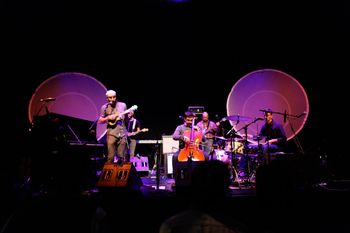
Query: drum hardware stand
246, 156
268, 151
261, 155
233, 153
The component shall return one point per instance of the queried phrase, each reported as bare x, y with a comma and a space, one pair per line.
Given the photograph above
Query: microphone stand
158, 148
295, 138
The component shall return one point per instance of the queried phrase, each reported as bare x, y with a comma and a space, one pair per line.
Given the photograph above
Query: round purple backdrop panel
72, 94
267, 89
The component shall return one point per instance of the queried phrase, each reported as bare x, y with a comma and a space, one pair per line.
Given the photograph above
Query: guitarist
116, 130
209, 130
133, 127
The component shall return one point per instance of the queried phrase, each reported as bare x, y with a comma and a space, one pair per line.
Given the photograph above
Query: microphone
181, 117
48, 99
259, 119
285, 116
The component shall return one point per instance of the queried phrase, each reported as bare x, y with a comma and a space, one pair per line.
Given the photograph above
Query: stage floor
237, 188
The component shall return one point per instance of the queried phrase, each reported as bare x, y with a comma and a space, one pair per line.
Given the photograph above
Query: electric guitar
137, 132
118, 115
219, 122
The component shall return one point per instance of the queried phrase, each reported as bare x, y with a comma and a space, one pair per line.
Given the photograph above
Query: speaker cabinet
119, 175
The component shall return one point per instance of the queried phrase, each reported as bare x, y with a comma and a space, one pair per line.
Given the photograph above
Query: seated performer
275, 140
189, 147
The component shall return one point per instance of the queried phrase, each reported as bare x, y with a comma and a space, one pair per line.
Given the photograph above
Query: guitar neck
137, 132
118, 115
118, 118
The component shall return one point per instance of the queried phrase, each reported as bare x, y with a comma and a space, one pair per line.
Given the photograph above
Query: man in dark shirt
271, 138
134, 127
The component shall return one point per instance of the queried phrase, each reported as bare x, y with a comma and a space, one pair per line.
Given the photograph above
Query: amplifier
141, 164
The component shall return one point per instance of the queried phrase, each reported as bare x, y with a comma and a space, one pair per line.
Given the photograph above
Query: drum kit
232, 148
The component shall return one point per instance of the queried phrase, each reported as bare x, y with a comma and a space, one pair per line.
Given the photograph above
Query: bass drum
221, 155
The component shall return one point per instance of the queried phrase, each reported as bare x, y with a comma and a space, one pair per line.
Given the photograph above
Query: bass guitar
118, 115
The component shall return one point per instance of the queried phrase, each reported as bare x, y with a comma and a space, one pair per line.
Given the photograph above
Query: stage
320, 208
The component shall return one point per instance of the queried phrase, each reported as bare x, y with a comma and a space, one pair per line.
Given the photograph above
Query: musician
209, 130
181, 132
272, 139
116, 130
134, 127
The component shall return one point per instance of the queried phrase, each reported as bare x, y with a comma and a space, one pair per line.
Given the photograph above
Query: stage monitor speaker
119, 175
141, 163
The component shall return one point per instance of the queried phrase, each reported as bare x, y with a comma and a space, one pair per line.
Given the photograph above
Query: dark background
166, 56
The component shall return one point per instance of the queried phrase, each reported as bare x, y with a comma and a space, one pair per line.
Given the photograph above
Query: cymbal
238, 118
221, 138
259, 138
236, 137
229, 140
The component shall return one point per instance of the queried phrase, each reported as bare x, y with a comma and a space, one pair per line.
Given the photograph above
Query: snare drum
237, 147
251, 149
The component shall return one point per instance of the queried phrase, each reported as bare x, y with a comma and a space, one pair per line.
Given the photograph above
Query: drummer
273, 138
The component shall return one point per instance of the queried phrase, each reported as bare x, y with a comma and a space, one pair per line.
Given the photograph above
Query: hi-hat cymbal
238, 118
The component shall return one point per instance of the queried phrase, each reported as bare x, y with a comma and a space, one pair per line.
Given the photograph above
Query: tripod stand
246, 157
235, 155
233, 159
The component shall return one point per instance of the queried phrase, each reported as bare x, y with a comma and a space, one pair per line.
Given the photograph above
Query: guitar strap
133, 124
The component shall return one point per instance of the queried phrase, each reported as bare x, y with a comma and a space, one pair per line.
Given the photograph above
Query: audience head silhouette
209, 185
210, 179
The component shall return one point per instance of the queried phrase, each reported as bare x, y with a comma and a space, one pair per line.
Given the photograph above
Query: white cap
111, 93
